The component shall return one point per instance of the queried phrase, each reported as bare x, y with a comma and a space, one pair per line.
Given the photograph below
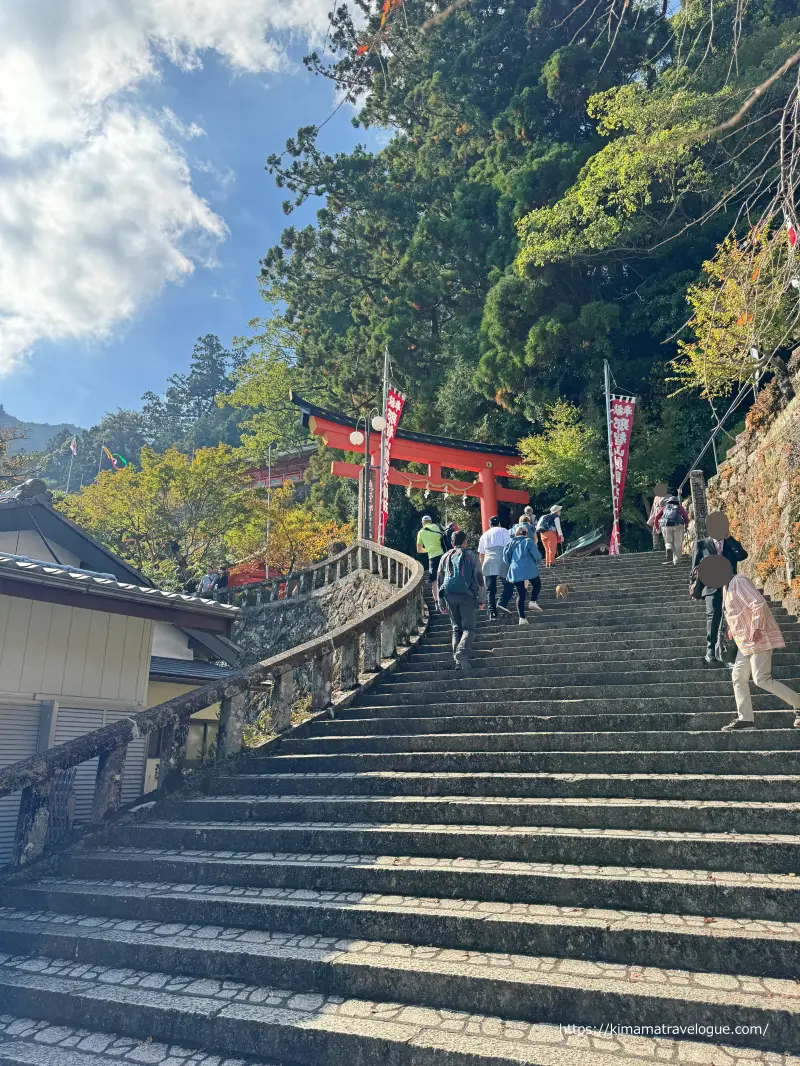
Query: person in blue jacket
523, 558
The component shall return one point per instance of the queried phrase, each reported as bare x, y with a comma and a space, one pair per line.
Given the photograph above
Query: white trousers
673, 538
760, 665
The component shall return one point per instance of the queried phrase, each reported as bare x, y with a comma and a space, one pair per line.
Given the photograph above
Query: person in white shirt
490, 549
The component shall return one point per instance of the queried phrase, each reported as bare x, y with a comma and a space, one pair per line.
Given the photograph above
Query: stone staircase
457, 871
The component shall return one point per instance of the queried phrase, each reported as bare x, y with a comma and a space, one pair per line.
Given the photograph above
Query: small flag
73, 446
791, 231
117, 461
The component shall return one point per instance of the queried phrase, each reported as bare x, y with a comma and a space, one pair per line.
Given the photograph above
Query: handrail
382, 628
293, 583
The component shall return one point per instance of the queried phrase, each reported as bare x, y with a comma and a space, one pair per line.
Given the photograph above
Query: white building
84, 640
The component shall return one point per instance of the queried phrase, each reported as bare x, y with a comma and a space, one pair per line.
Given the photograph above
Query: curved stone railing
374, 636
294, 584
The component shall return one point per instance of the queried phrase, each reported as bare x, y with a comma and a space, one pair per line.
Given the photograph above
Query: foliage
286, 536
188, 416
739, 305
566, 464
171, 519
15, 467
263, 382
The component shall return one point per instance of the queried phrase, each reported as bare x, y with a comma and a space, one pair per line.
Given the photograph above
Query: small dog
563, 591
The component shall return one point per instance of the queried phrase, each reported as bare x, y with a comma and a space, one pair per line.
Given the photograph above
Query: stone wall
758, 488
271, 628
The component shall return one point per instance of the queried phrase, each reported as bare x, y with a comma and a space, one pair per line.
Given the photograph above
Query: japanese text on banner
621, 424
395, 401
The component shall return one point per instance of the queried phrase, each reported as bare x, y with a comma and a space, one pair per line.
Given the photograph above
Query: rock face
271, 628
551, 861
758, 487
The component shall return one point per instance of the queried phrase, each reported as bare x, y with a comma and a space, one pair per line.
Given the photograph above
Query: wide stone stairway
511, 867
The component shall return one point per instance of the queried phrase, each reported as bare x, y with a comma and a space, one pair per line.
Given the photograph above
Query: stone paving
352, 930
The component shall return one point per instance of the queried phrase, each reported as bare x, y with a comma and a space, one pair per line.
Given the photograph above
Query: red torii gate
489, 461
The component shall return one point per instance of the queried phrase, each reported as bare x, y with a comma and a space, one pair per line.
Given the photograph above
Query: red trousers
550, 542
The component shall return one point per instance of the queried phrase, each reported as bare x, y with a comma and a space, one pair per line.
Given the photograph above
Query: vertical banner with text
395, 401
621, 413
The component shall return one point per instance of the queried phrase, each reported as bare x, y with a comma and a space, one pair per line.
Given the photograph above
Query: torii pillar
488, 461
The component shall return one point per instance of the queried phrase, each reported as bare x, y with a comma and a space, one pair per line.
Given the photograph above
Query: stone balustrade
306, 669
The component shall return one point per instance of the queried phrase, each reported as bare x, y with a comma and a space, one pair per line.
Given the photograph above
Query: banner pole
383, 504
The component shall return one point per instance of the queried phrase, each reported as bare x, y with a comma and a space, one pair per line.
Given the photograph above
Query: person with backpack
523, 558
431, 541
461, 582
549, 529
490, 549
671, 521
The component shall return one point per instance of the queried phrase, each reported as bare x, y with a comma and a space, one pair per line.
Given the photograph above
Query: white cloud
97, 210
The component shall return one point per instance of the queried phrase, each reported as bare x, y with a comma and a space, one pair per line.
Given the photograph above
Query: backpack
672, 513
546, 523
458, 580
447, 538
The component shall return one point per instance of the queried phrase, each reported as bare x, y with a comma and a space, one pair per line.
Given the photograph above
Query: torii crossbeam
489, 461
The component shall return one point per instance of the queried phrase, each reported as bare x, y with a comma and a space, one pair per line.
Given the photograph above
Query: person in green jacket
431, 541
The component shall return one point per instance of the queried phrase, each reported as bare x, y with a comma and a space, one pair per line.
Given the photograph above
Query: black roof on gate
309, 410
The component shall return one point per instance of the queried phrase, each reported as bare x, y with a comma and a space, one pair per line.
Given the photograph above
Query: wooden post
321, 682
108, 784
232, 720
348, 670
372, 650
32, 823
282, 700
697, 483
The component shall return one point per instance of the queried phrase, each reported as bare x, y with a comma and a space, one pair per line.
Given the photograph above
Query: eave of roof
163, 668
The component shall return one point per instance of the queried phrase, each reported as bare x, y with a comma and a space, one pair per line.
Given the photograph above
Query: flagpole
69, 472
100, 464
607, 377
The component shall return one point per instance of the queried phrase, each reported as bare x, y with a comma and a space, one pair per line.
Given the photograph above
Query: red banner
395, 401
619, 436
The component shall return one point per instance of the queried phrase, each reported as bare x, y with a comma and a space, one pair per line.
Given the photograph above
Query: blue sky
244, 115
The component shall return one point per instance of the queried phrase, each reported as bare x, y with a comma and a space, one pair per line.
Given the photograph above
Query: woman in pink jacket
756, 634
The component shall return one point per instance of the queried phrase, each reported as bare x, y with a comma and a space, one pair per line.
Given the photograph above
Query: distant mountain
39, 433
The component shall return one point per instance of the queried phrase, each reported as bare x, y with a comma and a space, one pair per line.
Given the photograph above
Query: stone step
579, 762
539, 740
499, 667
676, 722
681, 647
619, 704
320, 1028
772, 897
32, 1042
693, 816
774, 789
323, 945
619, 847
705, 680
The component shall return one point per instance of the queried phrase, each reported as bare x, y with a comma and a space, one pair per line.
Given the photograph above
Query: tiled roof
42, 573
186, 669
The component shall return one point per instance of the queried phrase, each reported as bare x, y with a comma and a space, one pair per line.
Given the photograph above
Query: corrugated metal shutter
19, 736
74, 722
133, 781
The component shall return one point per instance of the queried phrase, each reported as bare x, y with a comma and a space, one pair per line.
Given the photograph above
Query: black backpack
546, 523
671, 515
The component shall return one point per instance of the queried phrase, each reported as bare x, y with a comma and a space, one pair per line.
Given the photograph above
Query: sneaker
442, 608
738, 723
534, 607
492, 616
523, 621
797, 722
464, 666
709, 660
502, 607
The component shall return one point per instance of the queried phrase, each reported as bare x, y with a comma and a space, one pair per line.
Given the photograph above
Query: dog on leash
563, 591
